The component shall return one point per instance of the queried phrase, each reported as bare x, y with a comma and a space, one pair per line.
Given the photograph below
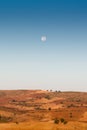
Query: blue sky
28, 63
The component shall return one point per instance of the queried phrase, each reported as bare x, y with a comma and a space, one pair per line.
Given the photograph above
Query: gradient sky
26, 62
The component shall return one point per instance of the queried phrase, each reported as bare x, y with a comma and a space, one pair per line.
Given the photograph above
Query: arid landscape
42, 110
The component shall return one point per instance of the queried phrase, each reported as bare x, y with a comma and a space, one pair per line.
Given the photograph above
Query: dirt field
43, 110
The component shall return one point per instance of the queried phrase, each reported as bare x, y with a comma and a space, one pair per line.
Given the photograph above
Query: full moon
43, 38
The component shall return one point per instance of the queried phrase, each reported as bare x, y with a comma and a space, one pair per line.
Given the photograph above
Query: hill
42, 110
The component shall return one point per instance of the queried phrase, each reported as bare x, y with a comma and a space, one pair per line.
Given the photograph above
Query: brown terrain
42, 110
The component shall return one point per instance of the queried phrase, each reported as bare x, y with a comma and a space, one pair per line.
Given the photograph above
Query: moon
43, 38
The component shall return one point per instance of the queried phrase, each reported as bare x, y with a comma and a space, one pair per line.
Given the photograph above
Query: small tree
17, 122
56, 121
62, 120
49, 108
47, 97
70, 115
0, 117
65, 122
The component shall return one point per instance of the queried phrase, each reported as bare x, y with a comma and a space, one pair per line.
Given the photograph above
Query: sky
60, 62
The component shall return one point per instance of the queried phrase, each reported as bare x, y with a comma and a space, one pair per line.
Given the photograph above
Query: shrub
70, 115
47, 97
13, 100
65, 122
56, 121
49, 108
62, 120
17, 122
4, 119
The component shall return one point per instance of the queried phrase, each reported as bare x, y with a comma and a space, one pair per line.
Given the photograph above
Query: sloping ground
84, 118
44, 126
37, 110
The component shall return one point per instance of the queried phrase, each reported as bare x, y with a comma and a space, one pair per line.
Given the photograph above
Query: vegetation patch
4, 119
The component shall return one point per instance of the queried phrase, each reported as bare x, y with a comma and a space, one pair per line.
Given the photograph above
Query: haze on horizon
59, 63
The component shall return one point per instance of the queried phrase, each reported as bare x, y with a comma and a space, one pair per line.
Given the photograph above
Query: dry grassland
43, 110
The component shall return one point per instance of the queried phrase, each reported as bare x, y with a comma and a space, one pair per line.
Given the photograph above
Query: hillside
42, 110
